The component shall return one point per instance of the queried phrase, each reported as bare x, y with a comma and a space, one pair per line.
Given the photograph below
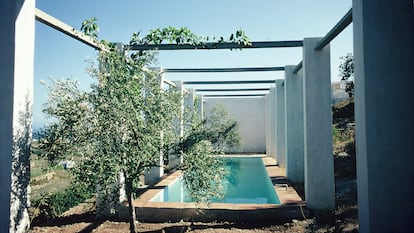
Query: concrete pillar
272, 127
200, 106
16, 94
152, 175
267, 123
319, 169
175, 160
280, 123
189, 110
294, 125
384, 113
189, 99
180, 126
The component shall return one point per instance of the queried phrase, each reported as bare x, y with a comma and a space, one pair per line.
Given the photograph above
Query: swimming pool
247, 183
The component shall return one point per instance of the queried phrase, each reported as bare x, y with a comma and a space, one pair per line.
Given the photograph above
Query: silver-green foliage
346, 72
203, 170
203, 173
114, 128
123, 124
223, 128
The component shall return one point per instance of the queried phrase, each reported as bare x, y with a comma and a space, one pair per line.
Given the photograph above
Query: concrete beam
215, 70
264, 89
233, 95
384, 113
280, 123
16, 94
294, 125
218, 45
225, 82
319, 169
66, 29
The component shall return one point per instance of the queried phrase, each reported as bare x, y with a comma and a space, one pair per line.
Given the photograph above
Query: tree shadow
88, 217
216, 226
20, 176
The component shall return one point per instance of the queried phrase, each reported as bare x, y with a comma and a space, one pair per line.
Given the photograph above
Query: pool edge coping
288, 196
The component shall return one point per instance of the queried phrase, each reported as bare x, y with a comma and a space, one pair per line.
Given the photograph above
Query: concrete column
16, 94
280, 123
152, 175
189, 100
384, 113
272, 110
319, 169
294, 125
175, 160
200, 106
267, 124
180, 126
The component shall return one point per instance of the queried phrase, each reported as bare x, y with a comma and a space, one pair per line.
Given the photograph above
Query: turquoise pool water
247, 183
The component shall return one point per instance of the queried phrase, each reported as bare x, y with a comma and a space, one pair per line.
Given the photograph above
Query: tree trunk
131, 209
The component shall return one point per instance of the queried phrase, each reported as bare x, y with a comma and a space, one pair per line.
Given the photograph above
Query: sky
59, 56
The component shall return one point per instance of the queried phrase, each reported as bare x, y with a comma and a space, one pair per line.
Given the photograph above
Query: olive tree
346, 72
115, 128
126, 120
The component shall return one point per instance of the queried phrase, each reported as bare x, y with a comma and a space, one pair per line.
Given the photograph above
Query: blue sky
58, 56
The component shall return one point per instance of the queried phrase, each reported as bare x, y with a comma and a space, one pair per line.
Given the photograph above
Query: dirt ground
82, 219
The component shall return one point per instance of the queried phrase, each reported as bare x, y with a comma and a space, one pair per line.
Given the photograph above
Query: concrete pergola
384, 112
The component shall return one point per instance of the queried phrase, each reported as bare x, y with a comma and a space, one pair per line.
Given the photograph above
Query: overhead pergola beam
298, 67
66, 29
217, 45
233, 89
217, 70
236, 95
228, 82
338, 28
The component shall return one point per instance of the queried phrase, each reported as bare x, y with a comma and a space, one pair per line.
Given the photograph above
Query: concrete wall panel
250, 115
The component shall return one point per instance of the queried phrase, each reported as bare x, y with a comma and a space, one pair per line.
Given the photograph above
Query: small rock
343, 154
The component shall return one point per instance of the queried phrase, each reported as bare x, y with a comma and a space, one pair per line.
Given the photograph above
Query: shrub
51, 206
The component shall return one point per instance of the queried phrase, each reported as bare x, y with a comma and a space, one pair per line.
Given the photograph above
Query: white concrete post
16, 94
188, 108
155, 173
174, 160
272, 127
384, 114
200, 106
180, 126
267, 123
294, 125
280, 123
319, 169
189, 99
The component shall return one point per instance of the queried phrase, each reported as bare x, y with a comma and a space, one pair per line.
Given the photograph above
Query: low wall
250, 116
